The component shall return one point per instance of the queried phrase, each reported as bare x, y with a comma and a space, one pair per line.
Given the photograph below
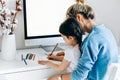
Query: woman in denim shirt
99, 48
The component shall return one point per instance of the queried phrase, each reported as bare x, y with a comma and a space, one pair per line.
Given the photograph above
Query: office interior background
106, 12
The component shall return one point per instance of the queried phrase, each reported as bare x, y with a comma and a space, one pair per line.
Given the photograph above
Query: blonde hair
80, 8
80, 1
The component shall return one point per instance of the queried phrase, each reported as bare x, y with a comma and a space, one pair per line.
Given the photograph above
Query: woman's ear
79, 17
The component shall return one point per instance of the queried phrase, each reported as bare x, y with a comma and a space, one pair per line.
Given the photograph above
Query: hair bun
81, 1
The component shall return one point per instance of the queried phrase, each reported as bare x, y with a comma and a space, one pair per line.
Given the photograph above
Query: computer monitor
42, 19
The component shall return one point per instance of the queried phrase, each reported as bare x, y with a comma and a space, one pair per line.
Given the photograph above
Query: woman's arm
58, 67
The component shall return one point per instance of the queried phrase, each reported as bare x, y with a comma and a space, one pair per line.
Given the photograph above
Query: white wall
107, 12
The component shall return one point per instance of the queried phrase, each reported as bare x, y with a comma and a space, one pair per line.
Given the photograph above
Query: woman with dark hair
99, 48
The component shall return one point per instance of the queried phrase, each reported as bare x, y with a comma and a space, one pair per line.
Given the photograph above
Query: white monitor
42, 19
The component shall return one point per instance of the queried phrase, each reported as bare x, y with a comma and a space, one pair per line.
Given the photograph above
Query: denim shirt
99, 49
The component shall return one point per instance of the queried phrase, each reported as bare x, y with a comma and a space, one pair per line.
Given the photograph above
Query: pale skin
87, 25
70, 40
58, 67
58, 57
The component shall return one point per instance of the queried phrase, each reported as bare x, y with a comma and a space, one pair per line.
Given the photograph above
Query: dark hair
71, 27
83, 9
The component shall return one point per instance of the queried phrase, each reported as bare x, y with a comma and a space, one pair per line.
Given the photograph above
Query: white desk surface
18, 65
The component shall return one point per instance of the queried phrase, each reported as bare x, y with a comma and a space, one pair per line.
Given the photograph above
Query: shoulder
98, 35
68, 49
68, 52
73, 50
91, 39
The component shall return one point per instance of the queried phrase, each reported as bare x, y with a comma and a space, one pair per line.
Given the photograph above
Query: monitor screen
42, 19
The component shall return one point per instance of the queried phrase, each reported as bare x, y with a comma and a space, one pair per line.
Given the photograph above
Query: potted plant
8, 23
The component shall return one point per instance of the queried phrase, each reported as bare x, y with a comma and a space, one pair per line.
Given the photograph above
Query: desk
17, 70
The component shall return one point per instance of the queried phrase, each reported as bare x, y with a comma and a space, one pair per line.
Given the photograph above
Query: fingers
51, 57
42, 62
60, 54
49, 54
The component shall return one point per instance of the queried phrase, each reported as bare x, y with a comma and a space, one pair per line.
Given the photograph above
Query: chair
113, 72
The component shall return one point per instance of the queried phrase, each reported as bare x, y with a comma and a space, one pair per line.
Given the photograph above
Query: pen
54, 49
25, 61
31, 56
34, 57
27, 56
22, 57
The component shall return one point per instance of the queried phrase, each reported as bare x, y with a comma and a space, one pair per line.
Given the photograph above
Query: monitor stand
50, 48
